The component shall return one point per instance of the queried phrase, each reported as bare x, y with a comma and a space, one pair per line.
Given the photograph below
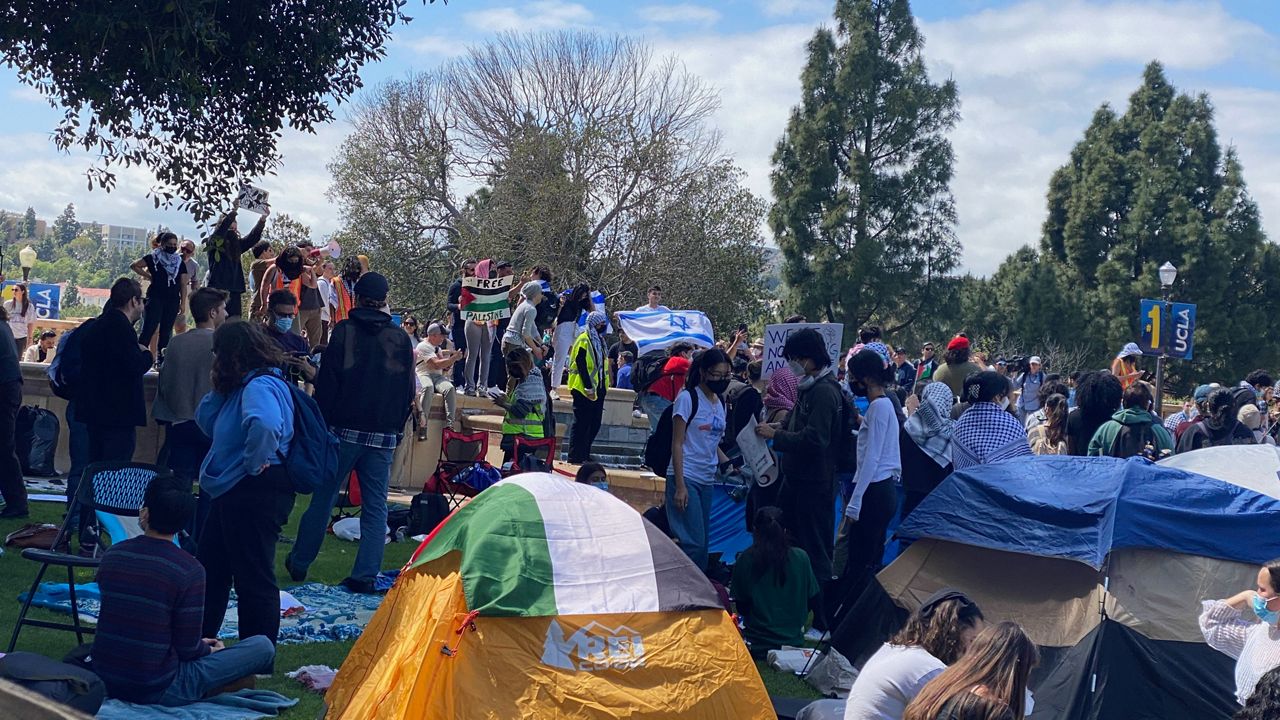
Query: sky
1030, 76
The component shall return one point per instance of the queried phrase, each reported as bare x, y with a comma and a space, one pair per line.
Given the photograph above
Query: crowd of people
873, 430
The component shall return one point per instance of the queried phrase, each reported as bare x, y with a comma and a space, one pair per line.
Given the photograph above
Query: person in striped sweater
148, 648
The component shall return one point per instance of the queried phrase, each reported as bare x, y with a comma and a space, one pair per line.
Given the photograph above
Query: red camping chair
544, 449
348, 504
459, 452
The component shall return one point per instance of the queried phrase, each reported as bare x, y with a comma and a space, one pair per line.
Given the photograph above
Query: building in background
93, 297
126, 239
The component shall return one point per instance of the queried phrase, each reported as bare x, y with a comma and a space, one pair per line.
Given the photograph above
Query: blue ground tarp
1081, 508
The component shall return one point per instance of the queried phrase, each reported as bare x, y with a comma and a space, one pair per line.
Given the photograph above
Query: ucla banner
46, 297
1171, 333
660, 329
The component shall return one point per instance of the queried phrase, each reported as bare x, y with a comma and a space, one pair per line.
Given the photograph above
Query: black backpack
657, 452
548, 309
64, 371
846, 444
647, 370
63, 683
45, 427
1134, 440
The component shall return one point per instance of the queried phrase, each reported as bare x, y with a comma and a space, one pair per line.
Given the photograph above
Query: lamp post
1168, 273
27, 259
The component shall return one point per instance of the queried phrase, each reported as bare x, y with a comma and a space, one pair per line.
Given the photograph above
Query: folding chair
349, 499
459, 452
543, 450
113, 492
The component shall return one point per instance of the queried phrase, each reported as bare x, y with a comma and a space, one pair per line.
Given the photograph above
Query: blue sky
1030, 74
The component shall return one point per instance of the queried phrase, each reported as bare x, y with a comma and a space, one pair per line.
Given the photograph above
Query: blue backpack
64, 371
313, 454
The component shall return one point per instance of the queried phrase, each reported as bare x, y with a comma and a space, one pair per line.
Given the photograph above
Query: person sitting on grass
148, 648
773, 587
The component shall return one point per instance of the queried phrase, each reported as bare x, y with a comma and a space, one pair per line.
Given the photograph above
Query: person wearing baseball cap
1028, 383
927, 364
956, 365
1192, 411
365, 390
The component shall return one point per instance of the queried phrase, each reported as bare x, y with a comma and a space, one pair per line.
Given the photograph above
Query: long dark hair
770, 546
1055, 419
26, 298
938, 630
239, 348
1000, 659
1264, 703
1098, 394
702, 362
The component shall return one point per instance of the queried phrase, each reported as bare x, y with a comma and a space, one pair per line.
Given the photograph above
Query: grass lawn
330, 567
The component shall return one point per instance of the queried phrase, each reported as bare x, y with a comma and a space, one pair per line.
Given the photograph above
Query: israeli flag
597, 298
654, 330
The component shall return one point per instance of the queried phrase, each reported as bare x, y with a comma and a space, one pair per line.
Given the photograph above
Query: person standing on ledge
224, 248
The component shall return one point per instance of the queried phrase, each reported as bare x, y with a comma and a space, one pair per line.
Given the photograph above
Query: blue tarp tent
1103, 561
1081, 508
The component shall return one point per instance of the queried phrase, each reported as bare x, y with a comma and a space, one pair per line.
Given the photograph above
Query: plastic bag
832, 675
349, 529
792, 659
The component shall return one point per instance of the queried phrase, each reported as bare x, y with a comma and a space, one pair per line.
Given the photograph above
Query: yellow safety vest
529, 426
576, 381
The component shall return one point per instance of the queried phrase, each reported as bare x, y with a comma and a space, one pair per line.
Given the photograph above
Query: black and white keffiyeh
931, 427
985, 434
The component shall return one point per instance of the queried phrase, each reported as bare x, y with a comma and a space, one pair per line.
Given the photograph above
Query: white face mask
1004, 403
797, 369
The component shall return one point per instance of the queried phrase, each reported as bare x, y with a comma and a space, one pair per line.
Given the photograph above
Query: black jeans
233, 304
238, 547
185, 446
160, 313
459, 335
108, 443
12, 486
865, 538
587, 415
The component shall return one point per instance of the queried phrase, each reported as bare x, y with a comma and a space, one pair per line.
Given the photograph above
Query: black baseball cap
941, 596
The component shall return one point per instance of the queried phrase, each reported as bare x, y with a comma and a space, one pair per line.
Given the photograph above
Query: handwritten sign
775, 336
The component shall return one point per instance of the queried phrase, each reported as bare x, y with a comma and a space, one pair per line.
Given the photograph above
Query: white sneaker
637, 414
554, 395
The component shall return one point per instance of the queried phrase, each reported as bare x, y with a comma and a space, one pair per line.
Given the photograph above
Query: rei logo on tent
593, 647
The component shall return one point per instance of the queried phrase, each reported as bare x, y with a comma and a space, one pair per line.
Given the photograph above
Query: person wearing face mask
113, 406
223, 247
986, 432
697, 425
282, 312
524, 404
291, 272
808, 446
164, 269
588, 383
1254, 645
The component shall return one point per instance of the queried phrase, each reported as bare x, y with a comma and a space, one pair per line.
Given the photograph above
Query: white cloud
532, 16
789, 8
26, 93
435, 45
690, 14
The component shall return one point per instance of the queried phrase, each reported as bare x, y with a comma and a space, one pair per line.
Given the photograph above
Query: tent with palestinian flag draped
485, 298
546, 598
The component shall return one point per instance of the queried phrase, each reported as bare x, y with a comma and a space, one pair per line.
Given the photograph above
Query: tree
573, 137
27, 227
283, 230
205, 117
864, 215
1151, 186
66, 228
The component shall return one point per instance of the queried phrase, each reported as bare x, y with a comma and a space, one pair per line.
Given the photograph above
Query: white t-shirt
421, 354
646, 308
701, 437
326, 297
889, 681
878, 451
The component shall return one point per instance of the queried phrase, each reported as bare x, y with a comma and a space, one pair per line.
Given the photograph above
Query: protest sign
485, 298
775, 336
253, 199
756, 454
660, 329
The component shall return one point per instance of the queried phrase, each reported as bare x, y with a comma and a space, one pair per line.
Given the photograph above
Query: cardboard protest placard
775, 336
253, 199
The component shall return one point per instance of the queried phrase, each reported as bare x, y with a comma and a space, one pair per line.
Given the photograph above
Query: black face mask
858, 387
515, 372
171, 250
718, 386
291, 270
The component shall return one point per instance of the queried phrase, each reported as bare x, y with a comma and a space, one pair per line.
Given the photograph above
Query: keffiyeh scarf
987, 434
931, 427
781, 392
168, 262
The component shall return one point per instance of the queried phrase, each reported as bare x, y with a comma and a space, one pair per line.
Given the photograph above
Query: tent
546, 598
1103, 561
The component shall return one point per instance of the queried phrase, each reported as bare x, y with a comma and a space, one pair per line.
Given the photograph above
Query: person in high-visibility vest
588, 381
525, 402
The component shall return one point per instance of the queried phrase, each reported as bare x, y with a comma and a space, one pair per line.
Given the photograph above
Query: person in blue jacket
249, 418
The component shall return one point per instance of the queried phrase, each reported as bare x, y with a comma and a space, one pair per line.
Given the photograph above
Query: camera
1017, 364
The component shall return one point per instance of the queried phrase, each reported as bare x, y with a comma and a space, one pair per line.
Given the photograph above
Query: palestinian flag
485, 298
546, 599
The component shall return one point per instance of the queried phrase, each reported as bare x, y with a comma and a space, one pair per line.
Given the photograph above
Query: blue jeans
373, 467
198, 678
691, 526
653, 406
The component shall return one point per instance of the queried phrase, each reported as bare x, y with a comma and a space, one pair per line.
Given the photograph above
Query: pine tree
65, 228
27, 228
864, 214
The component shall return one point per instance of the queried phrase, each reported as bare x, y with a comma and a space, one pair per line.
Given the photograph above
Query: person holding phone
433, 362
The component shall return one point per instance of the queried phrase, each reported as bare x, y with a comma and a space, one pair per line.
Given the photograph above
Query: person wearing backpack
697, 420
111, 400
658, 393
809, 446
1133, 430
365, 390
1217, 425
12, 486
249, 417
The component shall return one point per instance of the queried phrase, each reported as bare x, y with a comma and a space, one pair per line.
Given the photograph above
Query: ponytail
770, 546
